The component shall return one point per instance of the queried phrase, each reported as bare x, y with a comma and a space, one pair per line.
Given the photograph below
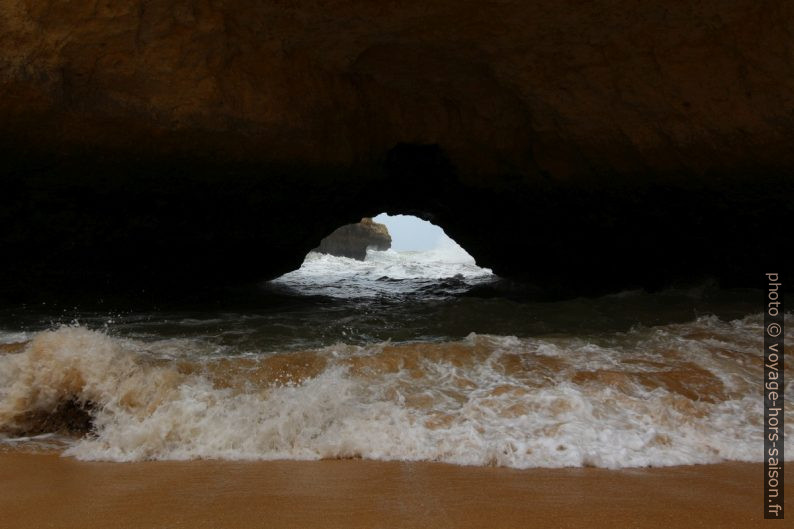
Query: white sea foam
668, 395
382, 272
8, 337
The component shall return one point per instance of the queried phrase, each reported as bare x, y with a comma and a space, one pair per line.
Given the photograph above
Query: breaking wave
389, 273
664, 395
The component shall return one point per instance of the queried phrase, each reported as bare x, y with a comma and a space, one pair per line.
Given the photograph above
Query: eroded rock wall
583, 146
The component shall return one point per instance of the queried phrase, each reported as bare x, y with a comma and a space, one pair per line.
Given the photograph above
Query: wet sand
46, 490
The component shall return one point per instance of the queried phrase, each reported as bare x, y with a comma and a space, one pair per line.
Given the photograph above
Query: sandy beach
46, 490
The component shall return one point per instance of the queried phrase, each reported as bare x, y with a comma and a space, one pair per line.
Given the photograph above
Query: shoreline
47, 490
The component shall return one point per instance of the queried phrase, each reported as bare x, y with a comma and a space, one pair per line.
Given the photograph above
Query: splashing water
664, 395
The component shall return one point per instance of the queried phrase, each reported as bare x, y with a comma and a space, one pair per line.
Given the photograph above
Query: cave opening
385, 254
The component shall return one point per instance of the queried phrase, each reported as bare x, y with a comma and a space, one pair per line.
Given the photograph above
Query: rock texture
582, 146
353, 240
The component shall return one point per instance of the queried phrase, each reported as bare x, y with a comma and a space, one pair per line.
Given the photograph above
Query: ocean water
403, 356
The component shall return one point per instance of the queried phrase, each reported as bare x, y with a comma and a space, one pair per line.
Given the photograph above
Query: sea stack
353, 240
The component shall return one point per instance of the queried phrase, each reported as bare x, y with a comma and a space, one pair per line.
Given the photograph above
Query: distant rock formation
352, 240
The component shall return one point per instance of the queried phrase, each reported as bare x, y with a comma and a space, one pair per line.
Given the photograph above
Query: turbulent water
404, 356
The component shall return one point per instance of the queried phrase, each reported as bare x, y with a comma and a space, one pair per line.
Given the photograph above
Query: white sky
412, 233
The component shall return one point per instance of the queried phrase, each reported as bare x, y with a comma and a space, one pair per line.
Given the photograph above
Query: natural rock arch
152, 144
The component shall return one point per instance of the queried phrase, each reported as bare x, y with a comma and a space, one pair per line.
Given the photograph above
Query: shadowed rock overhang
584, 148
